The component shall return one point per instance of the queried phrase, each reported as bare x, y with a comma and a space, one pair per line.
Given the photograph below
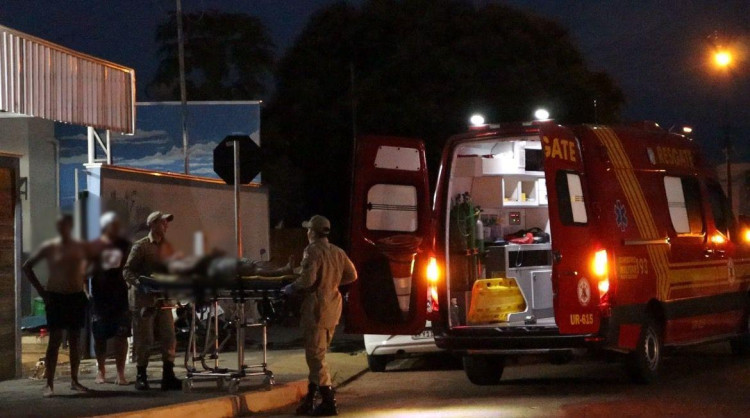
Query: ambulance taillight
600, 269
718, 238
433, 271
433, 276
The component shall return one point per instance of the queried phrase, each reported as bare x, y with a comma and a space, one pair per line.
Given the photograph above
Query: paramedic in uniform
151, 315
325, 267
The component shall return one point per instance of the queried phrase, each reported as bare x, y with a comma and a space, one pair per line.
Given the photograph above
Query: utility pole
183, 89
728, 152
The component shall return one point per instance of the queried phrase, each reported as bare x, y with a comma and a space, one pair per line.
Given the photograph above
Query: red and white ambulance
543, 238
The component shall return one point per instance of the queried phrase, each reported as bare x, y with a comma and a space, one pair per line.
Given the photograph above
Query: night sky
655, 50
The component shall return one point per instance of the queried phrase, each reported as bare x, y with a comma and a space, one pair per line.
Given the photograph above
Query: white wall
30, 138
198, 205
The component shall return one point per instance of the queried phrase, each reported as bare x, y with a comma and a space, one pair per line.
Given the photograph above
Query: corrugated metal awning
42, 79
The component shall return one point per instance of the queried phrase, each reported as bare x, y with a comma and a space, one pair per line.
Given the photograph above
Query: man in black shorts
111, 318
64, 297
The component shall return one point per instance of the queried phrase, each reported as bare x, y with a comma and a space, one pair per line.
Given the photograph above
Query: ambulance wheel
484, 370
376, 363
741, 344
644, 363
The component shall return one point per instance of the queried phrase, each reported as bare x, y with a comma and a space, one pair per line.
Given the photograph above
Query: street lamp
722, 59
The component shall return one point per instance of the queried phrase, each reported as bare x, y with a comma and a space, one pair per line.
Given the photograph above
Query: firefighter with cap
324, 268
152, 315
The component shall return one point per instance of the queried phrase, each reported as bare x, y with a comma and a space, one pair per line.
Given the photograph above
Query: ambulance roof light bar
541, 114
478, 123
476, 120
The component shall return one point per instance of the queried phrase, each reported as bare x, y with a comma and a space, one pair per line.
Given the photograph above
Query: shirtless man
65, 298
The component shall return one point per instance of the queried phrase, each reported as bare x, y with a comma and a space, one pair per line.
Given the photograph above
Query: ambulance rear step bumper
537, 341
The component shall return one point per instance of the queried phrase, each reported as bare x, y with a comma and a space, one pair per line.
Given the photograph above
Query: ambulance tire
378, 364
741, 344
484, 370
644, 363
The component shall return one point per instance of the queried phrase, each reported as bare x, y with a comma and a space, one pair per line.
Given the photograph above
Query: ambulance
548, 239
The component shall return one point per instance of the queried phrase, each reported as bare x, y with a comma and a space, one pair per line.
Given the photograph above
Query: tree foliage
416, 68
228, 56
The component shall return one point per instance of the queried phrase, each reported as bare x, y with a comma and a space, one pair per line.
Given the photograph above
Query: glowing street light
687, 130
541, 114
722, 58
477, 119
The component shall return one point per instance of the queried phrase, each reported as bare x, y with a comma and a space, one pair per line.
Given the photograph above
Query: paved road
702, 382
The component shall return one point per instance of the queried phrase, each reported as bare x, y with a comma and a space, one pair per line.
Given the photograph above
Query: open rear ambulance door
576, 295
390, 224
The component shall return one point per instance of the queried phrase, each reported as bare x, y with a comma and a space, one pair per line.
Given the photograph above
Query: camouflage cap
319, 224
154, 216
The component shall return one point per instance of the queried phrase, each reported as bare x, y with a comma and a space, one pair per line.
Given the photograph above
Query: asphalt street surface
705, 381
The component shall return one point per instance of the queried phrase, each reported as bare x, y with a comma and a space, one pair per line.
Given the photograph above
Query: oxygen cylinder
479, 231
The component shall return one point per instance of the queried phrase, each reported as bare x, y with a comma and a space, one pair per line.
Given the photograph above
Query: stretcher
206, 292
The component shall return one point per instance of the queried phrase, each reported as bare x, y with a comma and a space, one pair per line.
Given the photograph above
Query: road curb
227, 406
253, 402
277, 398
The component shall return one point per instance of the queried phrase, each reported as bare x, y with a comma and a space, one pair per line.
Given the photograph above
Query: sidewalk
23, 397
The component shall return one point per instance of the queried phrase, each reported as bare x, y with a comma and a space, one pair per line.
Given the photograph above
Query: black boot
306, 405
168, 380
141, 379
327, 407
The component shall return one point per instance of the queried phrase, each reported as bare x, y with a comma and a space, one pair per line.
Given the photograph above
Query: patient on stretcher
217, 266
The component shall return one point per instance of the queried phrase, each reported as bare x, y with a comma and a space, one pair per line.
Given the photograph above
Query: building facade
41, 82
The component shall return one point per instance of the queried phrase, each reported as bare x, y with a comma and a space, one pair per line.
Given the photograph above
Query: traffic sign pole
237, 221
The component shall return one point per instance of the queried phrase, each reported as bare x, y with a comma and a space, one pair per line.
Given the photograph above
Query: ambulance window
570, 201
720, 210
684, 202
392, 207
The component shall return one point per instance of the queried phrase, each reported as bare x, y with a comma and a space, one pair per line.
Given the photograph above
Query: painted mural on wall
157, 142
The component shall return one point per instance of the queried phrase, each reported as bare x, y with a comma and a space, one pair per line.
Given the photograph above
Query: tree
228, 56
418, 68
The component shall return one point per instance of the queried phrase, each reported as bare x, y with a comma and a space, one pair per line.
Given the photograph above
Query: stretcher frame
203, 292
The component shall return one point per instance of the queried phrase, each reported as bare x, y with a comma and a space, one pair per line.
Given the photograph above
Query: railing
42, 79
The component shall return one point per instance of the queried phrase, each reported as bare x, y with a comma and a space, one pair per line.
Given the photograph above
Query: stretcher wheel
269, 381
233, 386
187, 385
220, 383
